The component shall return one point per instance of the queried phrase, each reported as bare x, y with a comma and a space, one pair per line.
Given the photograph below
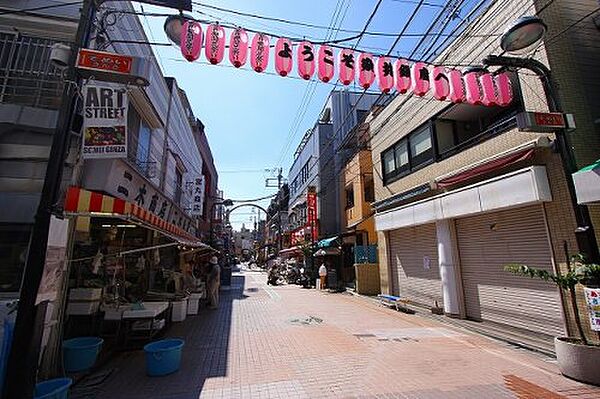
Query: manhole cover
306, 321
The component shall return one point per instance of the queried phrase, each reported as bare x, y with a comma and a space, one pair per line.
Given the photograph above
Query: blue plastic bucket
79, 354
163, 357
53, 389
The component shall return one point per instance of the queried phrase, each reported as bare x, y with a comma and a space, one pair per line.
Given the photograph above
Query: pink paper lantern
215, 43
420, 78
283, 56
326, 64
346, 66
457, 86
495, 90
504, 87
366, 70
441, 83
385, 74
191, 40
238, 47
306, 60
259, 52
473, 88
402, 72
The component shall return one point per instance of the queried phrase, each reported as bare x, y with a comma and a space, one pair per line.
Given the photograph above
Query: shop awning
291, 251
328, 251
587, 184
327, 242
81, 202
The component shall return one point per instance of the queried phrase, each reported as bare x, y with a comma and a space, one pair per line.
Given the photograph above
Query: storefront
449, 252
131, 272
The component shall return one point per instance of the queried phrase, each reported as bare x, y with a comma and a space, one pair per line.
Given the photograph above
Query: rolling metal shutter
409, 250
488, 242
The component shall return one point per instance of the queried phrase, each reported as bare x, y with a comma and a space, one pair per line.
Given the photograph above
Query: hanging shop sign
592, 297
184, 5
419, 78
197, 196
311, 211
112, 67
105, 122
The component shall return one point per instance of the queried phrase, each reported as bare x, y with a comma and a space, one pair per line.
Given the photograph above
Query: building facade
461, 192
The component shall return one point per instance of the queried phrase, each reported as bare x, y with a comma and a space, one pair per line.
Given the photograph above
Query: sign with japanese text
311, 211
105, 122
540, 121
592, 298
103, 61
197, 196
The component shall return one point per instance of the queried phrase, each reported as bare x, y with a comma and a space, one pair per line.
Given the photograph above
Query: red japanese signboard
549, 119
311, 210
103, 61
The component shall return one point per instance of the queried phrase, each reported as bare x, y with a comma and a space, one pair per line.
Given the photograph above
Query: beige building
460, 191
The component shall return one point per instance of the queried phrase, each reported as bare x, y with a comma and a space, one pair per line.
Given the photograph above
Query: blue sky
249, 117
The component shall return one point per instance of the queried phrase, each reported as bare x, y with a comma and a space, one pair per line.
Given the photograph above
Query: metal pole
280, 241
25, 350
586, 238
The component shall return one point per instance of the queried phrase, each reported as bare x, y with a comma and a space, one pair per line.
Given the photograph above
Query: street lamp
523, 35
174, 25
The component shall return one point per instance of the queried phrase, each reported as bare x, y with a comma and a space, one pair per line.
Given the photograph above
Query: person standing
322, 275
213, 282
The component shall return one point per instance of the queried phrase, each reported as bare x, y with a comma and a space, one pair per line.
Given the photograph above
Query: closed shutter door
415, 270
486, 244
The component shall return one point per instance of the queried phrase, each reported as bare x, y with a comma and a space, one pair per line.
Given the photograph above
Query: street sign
112, 67
540, 121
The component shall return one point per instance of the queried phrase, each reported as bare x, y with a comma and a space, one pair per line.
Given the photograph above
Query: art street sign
105, 122
112, 67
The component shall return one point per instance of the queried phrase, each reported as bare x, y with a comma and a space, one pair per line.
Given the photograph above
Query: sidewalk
288, 342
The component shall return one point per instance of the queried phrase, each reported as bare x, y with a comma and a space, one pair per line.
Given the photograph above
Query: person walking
213, 282
322, 275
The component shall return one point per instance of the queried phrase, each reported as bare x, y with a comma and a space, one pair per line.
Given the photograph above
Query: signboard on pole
311, 210
197, 196
105, 122
542, 121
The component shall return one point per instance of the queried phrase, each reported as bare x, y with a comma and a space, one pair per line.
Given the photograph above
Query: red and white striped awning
81, 202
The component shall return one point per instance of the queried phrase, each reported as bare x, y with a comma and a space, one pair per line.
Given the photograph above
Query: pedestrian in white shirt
322, 275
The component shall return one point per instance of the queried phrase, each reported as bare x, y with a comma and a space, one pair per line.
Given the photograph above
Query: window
407, 154
138, 142
349, 197
369, 189
421, 149
178, 186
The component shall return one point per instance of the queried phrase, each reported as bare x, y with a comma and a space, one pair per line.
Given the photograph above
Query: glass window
421, 149
369, 189
143, 145
349, 197
388, 161
444, 132
401, 154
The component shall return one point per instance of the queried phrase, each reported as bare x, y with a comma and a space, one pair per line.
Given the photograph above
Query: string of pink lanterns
451, 84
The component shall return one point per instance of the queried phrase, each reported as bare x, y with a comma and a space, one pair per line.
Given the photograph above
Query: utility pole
279, 185
25, 350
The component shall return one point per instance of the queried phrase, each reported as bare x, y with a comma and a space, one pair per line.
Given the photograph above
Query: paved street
287, 342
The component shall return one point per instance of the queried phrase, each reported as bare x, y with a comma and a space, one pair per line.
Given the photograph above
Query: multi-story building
461, 191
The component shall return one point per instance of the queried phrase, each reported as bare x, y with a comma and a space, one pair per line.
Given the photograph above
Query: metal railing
26, 75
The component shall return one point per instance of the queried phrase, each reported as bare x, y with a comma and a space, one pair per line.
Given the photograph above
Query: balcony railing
26, 75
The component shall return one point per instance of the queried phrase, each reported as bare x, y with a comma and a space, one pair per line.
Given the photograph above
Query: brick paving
287, 342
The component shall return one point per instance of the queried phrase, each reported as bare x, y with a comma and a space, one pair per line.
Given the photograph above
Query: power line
26, 10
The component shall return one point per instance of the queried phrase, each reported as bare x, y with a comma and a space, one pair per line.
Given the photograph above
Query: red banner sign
311, 210
103, 61
550, 119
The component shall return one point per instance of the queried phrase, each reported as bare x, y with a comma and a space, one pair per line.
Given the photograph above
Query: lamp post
520, 38
226, 202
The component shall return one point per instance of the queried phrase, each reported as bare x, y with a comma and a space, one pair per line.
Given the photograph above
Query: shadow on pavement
204, 356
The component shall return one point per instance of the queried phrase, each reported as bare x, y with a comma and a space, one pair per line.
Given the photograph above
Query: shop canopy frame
587, 184
81, 202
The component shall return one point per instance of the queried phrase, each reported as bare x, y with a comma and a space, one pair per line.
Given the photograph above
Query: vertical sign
592, 297
105, 122
197, 196
311, 209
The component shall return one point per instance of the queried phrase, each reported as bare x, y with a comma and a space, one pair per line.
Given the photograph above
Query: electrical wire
27, 10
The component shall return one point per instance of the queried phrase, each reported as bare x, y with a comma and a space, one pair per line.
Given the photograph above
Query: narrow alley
287, 342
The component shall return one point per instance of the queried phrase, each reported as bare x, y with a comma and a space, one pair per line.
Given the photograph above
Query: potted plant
577, 357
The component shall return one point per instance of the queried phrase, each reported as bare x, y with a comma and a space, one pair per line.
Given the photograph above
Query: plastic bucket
53, 389
163, 357
80, 354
